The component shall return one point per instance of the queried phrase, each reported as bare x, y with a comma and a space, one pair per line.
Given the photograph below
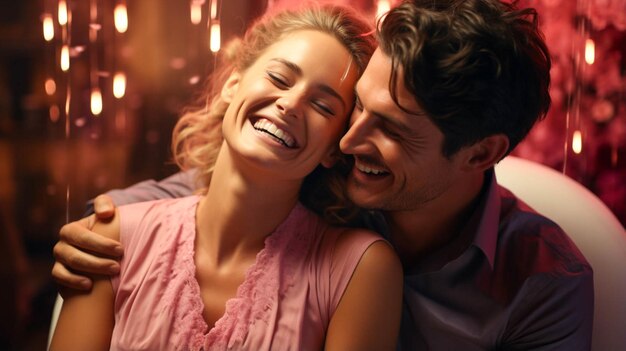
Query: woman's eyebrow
327, 89
292, 66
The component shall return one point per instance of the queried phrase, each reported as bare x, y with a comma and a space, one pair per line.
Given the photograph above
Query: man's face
399, 165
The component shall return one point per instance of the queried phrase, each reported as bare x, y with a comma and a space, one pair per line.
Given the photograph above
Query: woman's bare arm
368, 315
87, 319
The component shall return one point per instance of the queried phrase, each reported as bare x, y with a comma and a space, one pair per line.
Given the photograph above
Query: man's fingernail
118, 250
114, 269
85, 284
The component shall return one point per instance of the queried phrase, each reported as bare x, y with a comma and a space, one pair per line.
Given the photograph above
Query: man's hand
81, 251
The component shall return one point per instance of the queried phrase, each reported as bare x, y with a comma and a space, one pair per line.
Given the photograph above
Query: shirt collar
486, 219
482, 226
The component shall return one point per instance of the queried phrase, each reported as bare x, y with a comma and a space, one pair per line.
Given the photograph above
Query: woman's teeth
270, 128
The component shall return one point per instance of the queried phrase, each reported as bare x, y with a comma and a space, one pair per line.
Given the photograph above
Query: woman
247, 265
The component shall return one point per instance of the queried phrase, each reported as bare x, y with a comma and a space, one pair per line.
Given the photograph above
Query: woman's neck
241, 208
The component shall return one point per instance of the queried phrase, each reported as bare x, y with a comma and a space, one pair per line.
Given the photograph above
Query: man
453, 88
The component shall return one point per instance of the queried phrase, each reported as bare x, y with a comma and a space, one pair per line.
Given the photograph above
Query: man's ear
230, 87
486, 153
331, 157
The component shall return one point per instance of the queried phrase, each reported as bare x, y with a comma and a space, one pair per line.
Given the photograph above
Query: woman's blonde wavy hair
197, 136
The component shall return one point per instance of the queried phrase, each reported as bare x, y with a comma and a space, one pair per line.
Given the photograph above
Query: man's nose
356, 138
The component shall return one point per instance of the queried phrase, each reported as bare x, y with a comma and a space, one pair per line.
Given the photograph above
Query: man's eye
392, 134
277, 79
357, 104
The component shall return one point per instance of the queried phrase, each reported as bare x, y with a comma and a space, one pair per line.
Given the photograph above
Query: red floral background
589, 96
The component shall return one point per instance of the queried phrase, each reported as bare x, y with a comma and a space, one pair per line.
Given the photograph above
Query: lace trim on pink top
267, 280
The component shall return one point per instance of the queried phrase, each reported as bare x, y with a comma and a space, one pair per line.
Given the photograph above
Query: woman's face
288, 109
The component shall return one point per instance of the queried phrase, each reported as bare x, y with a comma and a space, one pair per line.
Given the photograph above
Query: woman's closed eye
278, 79
323, 107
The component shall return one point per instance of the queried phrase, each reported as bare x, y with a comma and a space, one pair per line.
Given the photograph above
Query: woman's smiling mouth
271, 129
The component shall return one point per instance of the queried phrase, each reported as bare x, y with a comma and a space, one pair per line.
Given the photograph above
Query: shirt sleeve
557, 315
178, 185
340, 261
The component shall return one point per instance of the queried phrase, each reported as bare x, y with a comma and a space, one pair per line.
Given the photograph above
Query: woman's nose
290, 103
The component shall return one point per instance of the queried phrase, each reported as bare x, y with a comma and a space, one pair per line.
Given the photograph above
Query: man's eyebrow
387, 119
323, 87
397, 125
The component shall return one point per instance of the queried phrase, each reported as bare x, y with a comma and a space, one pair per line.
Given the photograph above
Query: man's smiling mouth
371, 170
266, 126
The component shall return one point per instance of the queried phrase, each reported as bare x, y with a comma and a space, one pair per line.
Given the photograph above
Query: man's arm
178, 185
81, 250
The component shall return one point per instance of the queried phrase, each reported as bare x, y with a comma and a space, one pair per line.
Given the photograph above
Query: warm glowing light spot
48, 27
214, 43
93, 32
51, 86
80, 122
577, 142
120, 120
196, 12
68, 99
62, 13
178, 63
213, 9
65, 58
55, 113
119, 85
590, 51
382, 8
121, 18
96, 102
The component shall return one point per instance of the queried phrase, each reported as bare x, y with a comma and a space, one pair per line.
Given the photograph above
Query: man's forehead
375, 84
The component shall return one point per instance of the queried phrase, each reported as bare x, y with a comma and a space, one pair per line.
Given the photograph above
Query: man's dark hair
476, 67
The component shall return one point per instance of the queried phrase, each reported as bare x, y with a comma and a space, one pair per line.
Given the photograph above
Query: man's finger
77, 234
103, 206
65, 278
80, 261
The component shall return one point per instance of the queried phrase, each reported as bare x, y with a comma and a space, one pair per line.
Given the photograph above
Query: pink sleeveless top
285, 302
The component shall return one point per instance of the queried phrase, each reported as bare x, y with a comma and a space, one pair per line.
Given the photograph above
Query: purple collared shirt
520, 285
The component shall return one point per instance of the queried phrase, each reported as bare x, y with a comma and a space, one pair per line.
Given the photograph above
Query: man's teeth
365, 169
270, 128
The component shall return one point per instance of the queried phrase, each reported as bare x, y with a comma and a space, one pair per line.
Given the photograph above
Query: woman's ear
331, 157
230, 87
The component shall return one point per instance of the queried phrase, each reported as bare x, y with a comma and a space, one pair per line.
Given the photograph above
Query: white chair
58, 303
594, 229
